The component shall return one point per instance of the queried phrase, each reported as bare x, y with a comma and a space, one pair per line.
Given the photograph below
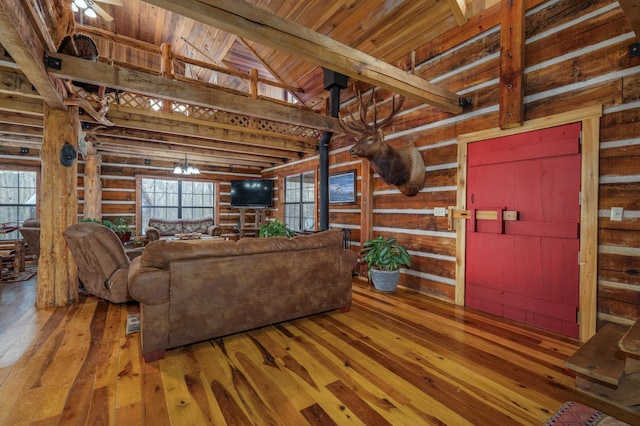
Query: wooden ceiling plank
248, 21
135, 81
23, 44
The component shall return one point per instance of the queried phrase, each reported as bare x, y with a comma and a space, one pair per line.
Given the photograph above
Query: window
299, 201
175, 199
18, 196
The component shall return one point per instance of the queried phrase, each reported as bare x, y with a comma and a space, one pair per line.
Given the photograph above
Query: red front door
527, 269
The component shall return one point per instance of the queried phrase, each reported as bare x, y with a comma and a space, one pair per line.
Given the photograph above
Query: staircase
608, 365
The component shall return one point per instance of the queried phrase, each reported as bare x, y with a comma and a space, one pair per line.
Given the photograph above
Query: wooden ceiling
286, 42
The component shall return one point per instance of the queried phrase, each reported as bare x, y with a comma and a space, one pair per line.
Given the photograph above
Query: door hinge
578, 316
578, 257
580, 198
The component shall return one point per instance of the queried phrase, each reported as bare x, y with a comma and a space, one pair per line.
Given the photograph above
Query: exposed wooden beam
253, 23
21, 104
171, 124
135, 81
631, 9
174, 153
241, 151
23, 44
459, 10
21, 119
14, 83
512, 45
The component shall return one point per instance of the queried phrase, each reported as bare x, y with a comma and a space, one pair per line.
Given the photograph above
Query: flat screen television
252, 193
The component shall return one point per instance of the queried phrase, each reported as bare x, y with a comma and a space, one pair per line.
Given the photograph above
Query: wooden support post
366, 207
512, 21
166, 71
92, 187
254, 83
57, 274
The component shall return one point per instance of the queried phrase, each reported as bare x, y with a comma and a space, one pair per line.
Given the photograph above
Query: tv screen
251, 193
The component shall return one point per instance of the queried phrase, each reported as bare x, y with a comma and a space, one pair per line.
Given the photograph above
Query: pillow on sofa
196, 225
166, 226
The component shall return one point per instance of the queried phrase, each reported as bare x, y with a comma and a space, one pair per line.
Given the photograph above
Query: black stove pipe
334, 82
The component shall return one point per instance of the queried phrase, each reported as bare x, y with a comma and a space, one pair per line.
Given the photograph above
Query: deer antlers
362, 126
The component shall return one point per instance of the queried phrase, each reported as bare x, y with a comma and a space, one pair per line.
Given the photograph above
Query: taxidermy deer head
402, 167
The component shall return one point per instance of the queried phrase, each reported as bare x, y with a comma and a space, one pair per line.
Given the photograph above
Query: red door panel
526, 270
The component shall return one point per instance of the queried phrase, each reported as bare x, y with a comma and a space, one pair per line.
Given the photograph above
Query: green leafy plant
119, 226
275, 229
384, 254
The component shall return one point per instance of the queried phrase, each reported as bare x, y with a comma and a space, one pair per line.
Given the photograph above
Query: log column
92, 186
57, 274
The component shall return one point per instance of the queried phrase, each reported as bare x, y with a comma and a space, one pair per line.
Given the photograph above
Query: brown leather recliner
30, 231
103, 265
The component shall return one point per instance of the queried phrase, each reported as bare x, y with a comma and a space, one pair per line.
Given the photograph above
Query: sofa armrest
348, 261
152, 233
148, 284
214, 230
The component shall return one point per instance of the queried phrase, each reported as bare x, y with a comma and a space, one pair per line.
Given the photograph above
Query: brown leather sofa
169, 227
190, 291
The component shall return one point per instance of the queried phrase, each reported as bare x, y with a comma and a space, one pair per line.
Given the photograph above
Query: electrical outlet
616, 214
439, 211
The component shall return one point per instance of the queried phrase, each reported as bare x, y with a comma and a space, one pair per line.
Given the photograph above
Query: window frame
38, 172
283, 191
139, 177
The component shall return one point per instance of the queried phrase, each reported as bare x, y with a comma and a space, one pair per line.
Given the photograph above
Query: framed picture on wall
342, 187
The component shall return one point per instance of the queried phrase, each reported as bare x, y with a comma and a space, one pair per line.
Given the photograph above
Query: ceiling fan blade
100, 11
113, 2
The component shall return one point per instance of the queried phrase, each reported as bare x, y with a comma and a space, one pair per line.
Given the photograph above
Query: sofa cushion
331, 238
159, 253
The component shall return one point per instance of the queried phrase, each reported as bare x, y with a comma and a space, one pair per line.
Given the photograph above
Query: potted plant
119, 226
384, 257
275, 229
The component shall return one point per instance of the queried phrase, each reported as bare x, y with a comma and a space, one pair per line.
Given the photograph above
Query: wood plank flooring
400, 359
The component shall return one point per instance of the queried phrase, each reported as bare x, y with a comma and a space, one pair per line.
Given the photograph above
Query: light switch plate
616, 214
439, 211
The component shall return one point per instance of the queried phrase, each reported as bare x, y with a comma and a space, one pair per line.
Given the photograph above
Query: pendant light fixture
185, 168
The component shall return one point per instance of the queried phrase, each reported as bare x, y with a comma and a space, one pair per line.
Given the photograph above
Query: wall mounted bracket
54, 63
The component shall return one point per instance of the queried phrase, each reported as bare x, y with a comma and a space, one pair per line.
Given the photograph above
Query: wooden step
600, 358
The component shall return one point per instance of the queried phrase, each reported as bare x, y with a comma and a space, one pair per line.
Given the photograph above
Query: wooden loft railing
168, 63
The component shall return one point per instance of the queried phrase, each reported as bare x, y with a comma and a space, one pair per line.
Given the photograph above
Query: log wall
576, 55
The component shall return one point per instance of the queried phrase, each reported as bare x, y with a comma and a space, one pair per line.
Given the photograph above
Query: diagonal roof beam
264, 27
23, 44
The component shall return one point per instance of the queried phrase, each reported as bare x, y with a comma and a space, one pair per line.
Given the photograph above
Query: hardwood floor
400, 359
